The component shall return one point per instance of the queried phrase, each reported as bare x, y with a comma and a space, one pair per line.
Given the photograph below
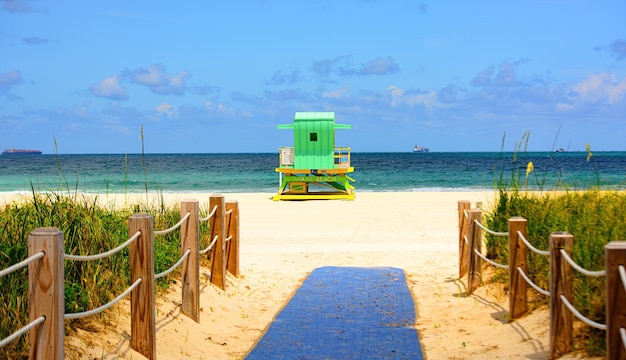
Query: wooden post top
140, 216
616, 245
46, 231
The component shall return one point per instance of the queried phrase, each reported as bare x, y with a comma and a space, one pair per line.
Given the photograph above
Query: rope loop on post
530, 246
168, 271
208, 248
496, 233
579, 268
22, 331
174, 227
104, 254
210, 214
490, 261
622, 275
531, 283
580, 316
105, 306
22, 264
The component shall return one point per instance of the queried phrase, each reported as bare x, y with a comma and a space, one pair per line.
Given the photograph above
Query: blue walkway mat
345, 313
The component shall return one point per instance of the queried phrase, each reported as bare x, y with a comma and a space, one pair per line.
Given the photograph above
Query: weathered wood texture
475, 237
232, 247
463, 207
218, 253
143, 334
561, 283
190, 270
615, 300
46, 294
518, 304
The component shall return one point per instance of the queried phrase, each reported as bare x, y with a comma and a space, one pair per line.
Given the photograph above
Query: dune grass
593, 216
88, 229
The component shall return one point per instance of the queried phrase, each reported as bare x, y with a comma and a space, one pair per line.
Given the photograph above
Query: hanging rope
531, 283
210, 214
22, 264
580, 316
202, 252
176, 226
530, 246
104, 254
490, 261
105, 306
180, 261
490, 231
582, 270
22, 331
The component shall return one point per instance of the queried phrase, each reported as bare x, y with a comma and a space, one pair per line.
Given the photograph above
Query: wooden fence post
232, 247
190, 270
46, 294
615, 299
463, 206
218, 253
475, 237
518, 305
142, 308
561, 283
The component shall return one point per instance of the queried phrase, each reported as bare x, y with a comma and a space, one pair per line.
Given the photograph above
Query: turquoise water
224, 173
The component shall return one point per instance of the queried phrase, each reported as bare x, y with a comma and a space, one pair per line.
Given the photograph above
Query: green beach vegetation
88, 229
593, 216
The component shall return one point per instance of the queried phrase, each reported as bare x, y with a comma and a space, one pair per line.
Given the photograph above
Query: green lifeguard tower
314, 168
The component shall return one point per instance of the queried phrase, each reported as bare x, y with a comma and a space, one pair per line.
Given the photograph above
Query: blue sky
218, 76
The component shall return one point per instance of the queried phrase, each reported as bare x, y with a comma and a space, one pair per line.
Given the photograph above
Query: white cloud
336, 94
401, 97
602, 87
167, 109
109, 88
156, 78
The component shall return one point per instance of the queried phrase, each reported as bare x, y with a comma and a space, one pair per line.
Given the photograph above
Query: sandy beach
281, 242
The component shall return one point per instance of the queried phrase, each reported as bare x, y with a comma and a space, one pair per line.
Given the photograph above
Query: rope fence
46, 261
561, 279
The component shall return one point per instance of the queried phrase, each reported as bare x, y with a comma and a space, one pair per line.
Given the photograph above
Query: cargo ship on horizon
21, 152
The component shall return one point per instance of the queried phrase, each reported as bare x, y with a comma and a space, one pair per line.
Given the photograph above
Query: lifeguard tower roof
314, 139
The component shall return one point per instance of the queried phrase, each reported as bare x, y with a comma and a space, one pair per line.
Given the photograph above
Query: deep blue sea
228, 173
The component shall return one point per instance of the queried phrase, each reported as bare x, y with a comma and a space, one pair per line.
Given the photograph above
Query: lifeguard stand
314, 168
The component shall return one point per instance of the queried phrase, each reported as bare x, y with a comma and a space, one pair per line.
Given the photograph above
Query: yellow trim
310, 196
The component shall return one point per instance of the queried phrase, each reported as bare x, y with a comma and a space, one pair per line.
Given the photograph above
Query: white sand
281, 242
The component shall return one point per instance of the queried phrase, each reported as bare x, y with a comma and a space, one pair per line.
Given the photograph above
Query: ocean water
228, 173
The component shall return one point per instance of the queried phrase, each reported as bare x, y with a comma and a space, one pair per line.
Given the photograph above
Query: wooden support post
615, 299
475, 237
232, 247
142, 308
518, 304
561, 283
190, 270
218, 253
463, 207
46, 294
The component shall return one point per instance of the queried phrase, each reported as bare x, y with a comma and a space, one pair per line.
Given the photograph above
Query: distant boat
560, 150
21, 152
420, 149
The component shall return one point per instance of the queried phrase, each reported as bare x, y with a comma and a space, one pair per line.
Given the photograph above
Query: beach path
345, 313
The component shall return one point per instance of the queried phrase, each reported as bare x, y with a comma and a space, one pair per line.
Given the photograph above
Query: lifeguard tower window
313, 136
